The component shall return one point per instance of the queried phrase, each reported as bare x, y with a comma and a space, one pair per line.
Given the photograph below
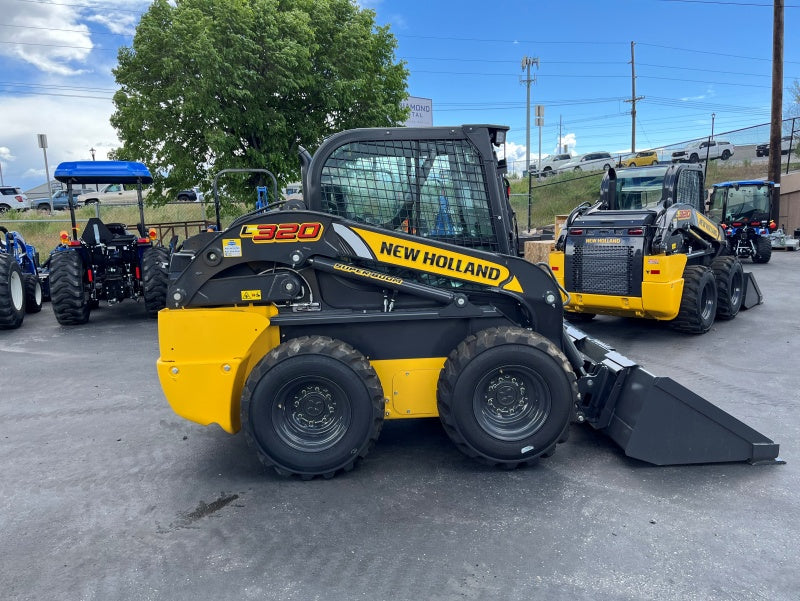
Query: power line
86, 31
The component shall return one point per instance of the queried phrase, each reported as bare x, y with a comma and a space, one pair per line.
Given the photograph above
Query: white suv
591, 161
698, 151
13, 198
112, 194
550, 164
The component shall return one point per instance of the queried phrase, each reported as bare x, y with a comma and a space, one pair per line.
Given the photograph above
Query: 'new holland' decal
407, 253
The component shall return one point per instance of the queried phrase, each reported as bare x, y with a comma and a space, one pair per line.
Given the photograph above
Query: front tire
729, 274
763, 250
694, 158
67, 292
155, 278
12, 293
505, 396
33, 293
698, 302
313, 406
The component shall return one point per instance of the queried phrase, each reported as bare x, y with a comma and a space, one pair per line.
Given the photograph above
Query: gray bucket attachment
752, 293
657, 420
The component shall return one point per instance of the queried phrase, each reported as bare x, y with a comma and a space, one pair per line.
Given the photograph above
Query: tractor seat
97, 232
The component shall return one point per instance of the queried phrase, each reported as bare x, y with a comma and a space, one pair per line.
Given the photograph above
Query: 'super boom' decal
282, 232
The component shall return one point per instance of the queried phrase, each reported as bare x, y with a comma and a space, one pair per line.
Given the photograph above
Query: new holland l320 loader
394, 290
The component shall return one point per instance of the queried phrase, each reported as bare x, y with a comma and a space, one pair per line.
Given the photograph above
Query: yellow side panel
409, 385
662, 288
206, 356
556, 261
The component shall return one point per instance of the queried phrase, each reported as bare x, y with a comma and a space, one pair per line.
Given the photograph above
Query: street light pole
42, 139
92, 150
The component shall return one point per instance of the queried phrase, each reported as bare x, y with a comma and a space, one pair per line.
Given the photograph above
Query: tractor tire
575, 317
698, 302
155, 278
729, 274
313, 406
67, 292
12, 293
506, 396
33, 293
763, 250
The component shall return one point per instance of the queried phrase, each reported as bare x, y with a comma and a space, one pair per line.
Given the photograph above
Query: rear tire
729, 274
698, 302
12, 293
33, 293
694, 159
576, 317
155, 278
67, 291
313, 406
505, 396
763, 250
726, 154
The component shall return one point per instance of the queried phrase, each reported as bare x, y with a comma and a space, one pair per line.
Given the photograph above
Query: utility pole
42, 139
558, 146
633, 100
527, 61
777, 109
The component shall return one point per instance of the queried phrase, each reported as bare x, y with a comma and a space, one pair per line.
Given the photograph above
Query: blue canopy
103, 172
745, 182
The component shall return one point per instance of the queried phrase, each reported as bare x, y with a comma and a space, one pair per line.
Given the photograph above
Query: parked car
642, 159
109, 194
191, 195
762, 150
550, 164
59, 201
702, 149
13, 198
591, 161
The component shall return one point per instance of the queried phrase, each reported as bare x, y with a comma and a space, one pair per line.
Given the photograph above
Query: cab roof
103, 172
745, 182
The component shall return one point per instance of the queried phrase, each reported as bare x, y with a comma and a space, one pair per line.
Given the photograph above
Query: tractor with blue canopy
106, 262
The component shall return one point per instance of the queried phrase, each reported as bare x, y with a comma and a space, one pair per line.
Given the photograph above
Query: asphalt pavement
107, 495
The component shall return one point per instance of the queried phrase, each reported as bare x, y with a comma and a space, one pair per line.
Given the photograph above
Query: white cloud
569, 141
72, 126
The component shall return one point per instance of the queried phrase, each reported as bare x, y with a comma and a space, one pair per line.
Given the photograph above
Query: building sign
421, 111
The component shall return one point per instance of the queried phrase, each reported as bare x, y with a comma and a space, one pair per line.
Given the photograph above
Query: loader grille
604, 270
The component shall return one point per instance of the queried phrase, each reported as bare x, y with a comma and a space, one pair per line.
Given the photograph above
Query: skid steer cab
106, 262
744, 208
393, 291
647, 249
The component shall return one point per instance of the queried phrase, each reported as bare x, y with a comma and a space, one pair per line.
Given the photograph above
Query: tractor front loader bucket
657, 420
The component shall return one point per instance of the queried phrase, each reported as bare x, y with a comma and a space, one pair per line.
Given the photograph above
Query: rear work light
576, 231
637, 231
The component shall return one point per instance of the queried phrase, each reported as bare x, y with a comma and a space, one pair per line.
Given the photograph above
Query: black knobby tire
729, 274
12, 293
763, 250
313, 406
506, 395
698, 302
155, 279
576, 317
33, 293
67, 291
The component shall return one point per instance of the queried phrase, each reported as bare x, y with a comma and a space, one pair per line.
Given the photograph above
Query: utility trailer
393, 290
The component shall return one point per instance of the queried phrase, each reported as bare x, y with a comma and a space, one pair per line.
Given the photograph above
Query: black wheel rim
737, 288
511, 402
707, 308
311, 414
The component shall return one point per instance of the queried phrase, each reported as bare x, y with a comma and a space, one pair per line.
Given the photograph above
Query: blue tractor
106, 262
20, 289
743, 209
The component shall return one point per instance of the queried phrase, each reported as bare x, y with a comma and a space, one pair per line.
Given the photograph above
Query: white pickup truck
112, 194
702, 149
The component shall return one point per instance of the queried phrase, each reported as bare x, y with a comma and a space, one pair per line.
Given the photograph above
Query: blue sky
693, 58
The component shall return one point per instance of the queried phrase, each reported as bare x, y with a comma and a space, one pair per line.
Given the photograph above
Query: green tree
217, 84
